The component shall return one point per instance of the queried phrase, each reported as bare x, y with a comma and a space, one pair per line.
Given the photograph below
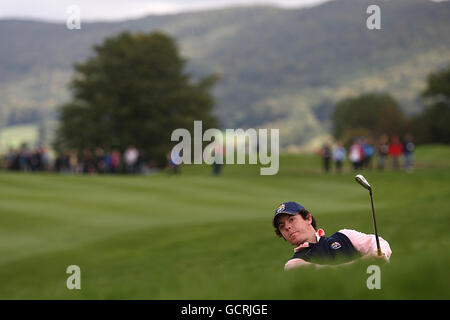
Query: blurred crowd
24, 159
362, 154
365, 154
132, 161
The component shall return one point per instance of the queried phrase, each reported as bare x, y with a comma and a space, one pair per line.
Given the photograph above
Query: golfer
297, 226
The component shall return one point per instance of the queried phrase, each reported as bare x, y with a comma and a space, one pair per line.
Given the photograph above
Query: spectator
395, 151
58, 162
356, 154
8, 160
142, 162
369, 152
35, 161
23, 161
73, 161
326, 156
383, 151
131, 159
172, 162
99, 160
114, 164
218, 159
88, 162
45, 158
339, 156
408, 152
66, 162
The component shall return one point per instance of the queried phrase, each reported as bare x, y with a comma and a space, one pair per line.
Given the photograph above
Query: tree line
376, 114
134, 90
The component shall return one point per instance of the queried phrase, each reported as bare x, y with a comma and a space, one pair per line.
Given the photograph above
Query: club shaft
375, 225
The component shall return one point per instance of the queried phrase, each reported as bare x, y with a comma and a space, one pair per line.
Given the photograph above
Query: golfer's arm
295, 263
366, 243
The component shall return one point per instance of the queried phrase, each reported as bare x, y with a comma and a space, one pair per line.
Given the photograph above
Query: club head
362, 181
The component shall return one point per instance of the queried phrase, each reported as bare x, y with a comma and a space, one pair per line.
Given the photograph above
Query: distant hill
279, 68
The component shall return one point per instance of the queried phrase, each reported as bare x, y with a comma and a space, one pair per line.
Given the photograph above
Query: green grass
196, 236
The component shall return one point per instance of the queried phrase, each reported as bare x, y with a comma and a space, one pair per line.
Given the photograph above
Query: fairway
197, 236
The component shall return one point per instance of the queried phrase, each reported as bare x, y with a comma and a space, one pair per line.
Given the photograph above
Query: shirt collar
319, 234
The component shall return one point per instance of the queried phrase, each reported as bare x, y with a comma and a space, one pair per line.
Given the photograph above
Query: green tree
433, 124
373, 113
133, 91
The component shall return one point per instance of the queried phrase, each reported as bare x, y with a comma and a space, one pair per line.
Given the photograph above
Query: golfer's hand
376, 258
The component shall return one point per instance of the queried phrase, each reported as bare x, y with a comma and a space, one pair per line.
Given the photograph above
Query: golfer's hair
304, 213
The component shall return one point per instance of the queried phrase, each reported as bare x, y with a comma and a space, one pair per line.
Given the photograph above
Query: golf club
362, 181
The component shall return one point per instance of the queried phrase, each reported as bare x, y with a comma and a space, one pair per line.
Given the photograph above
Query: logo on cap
281, 208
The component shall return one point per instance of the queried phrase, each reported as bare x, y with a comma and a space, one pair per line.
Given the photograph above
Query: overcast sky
56, 10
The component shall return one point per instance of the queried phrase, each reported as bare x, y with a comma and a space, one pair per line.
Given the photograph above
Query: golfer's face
294, 229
